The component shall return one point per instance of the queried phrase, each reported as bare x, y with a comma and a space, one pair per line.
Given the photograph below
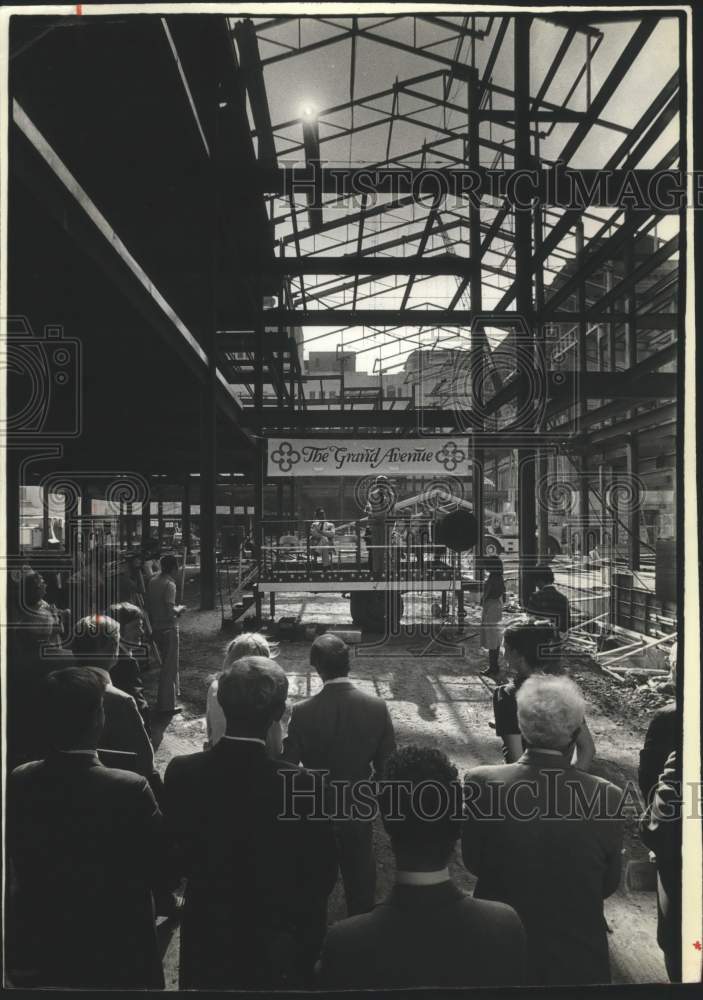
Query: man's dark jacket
661, 740
549, 850
258, 867
341, 729
85, 842
431, 936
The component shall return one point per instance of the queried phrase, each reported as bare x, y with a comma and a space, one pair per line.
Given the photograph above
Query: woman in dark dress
492, 601
528, 649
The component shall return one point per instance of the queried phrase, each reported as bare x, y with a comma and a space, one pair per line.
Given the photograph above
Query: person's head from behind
493, 565
543, 576
131, 621
550, 712
320, 513
247, 644
252, 694
169, 565
96, 641
33, 589
529, 647
329, 655
421, 808
74, 708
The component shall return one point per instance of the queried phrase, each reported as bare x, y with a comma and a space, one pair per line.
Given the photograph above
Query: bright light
309, 112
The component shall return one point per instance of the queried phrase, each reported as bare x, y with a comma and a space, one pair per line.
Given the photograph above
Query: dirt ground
436, 698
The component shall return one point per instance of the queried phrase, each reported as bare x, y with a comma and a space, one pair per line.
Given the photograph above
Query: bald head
252, 693
330, 657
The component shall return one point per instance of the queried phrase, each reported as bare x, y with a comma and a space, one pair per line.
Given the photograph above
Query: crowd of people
243, 841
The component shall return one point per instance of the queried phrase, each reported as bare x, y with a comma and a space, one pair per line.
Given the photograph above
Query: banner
349, 457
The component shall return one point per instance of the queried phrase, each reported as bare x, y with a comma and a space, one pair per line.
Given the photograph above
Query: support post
526, 499
477, 358
44, 517
584, 504
630, 325
583, 325
86, 515
185, 512
146, 516
208, 407
129, 523
632, 458
13, 502
542, 454
259, 539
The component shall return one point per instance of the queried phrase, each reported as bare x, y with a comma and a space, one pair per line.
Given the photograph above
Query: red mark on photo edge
697, 945
79, 9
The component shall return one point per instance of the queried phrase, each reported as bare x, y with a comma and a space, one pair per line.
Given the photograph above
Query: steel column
632, 459
208, 410
477, 360
185, 512
526, 487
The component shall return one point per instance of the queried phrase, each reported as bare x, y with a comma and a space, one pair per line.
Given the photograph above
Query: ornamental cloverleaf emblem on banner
285, 456
450, 456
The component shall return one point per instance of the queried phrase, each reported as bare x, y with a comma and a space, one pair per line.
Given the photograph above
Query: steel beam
561, 187
247, 340
252, 70
368, 317
651, 418
377, 266
594, 315
47, 177
363, 419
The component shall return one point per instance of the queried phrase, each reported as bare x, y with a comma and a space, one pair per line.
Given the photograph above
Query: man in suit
548, 602
661, 739
345, 732
660, 829
258, 868
546, 838
84, 842
427, 932
97, 645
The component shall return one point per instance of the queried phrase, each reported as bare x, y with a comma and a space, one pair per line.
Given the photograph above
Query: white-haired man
247, 644
546, 838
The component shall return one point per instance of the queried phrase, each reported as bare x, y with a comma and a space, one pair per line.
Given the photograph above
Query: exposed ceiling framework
424, 92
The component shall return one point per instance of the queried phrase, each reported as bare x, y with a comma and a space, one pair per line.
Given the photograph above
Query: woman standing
530, 649
492, 612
